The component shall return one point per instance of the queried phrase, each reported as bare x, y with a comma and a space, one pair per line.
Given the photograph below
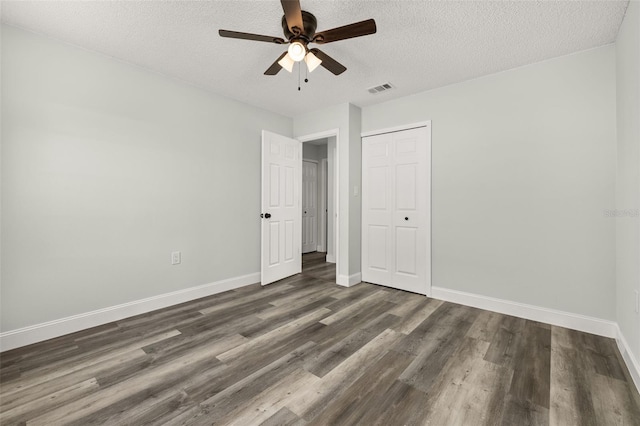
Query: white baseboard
330, 258
349, 280
632, 363
535, 313
48, 330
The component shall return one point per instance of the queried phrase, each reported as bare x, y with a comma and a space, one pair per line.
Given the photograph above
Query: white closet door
396, 210
309, 206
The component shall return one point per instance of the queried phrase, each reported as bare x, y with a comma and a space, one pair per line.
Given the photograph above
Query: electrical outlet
176, 258
637, 301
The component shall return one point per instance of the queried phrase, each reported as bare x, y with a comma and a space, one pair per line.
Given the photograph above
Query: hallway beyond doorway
315, 265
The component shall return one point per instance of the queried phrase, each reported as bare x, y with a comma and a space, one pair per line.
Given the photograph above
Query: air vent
382, 88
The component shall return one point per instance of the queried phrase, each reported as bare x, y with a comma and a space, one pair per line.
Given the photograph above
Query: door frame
322, 204
336, 205
427, 124
315, 231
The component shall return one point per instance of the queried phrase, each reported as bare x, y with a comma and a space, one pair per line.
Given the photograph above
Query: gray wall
355, 185
628, 178
106, 169
523, 168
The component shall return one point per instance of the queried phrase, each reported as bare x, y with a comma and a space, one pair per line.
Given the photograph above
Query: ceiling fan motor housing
309, 23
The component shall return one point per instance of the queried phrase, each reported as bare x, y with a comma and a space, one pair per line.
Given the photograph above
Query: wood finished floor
306, 351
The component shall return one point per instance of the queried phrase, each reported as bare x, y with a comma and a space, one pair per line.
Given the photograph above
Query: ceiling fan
299, 28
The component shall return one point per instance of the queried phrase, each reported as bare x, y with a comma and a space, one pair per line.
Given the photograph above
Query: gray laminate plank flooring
314, 265
306, 351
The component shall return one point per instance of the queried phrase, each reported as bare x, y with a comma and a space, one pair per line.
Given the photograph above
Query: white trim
336, 169
50, 329
396, 128
536, 313
349, 280
314, 229
322, 202
632, 363
319, 135
330, 259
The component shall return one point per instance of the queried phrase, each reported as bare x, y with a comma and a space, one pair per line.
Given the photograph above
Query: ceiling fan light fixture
287, 63
297, 51
312, 61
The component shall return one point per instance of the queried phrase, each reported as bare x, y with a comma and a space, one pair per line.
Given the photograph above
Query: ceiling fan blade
275, 67
328, 62
357, 29
247, 36
293, 15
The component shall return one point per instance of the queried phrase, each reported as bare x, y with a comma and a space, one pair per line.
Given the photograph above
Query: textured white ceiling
419, 45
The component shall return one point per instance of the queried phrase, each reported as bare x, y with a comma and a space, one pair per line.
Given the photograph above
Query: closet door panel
411, 210
406, 250
377, 210
396, 210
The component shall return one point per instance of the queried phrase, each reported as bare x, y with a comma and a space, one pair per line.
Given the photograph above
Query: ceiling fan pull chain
299, 65
306, 74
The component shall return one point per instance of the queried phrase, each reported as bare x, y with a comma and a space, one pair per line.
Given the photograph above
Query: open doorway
281, 201
319, 206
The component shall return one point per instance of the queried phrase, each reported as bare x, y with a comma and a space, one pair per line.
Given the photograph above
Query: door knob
267, 215
406, 218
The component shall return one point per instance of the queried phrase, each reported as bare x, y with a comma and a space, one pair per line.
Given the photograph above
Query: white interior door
396, 209
309, 206
281, 218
